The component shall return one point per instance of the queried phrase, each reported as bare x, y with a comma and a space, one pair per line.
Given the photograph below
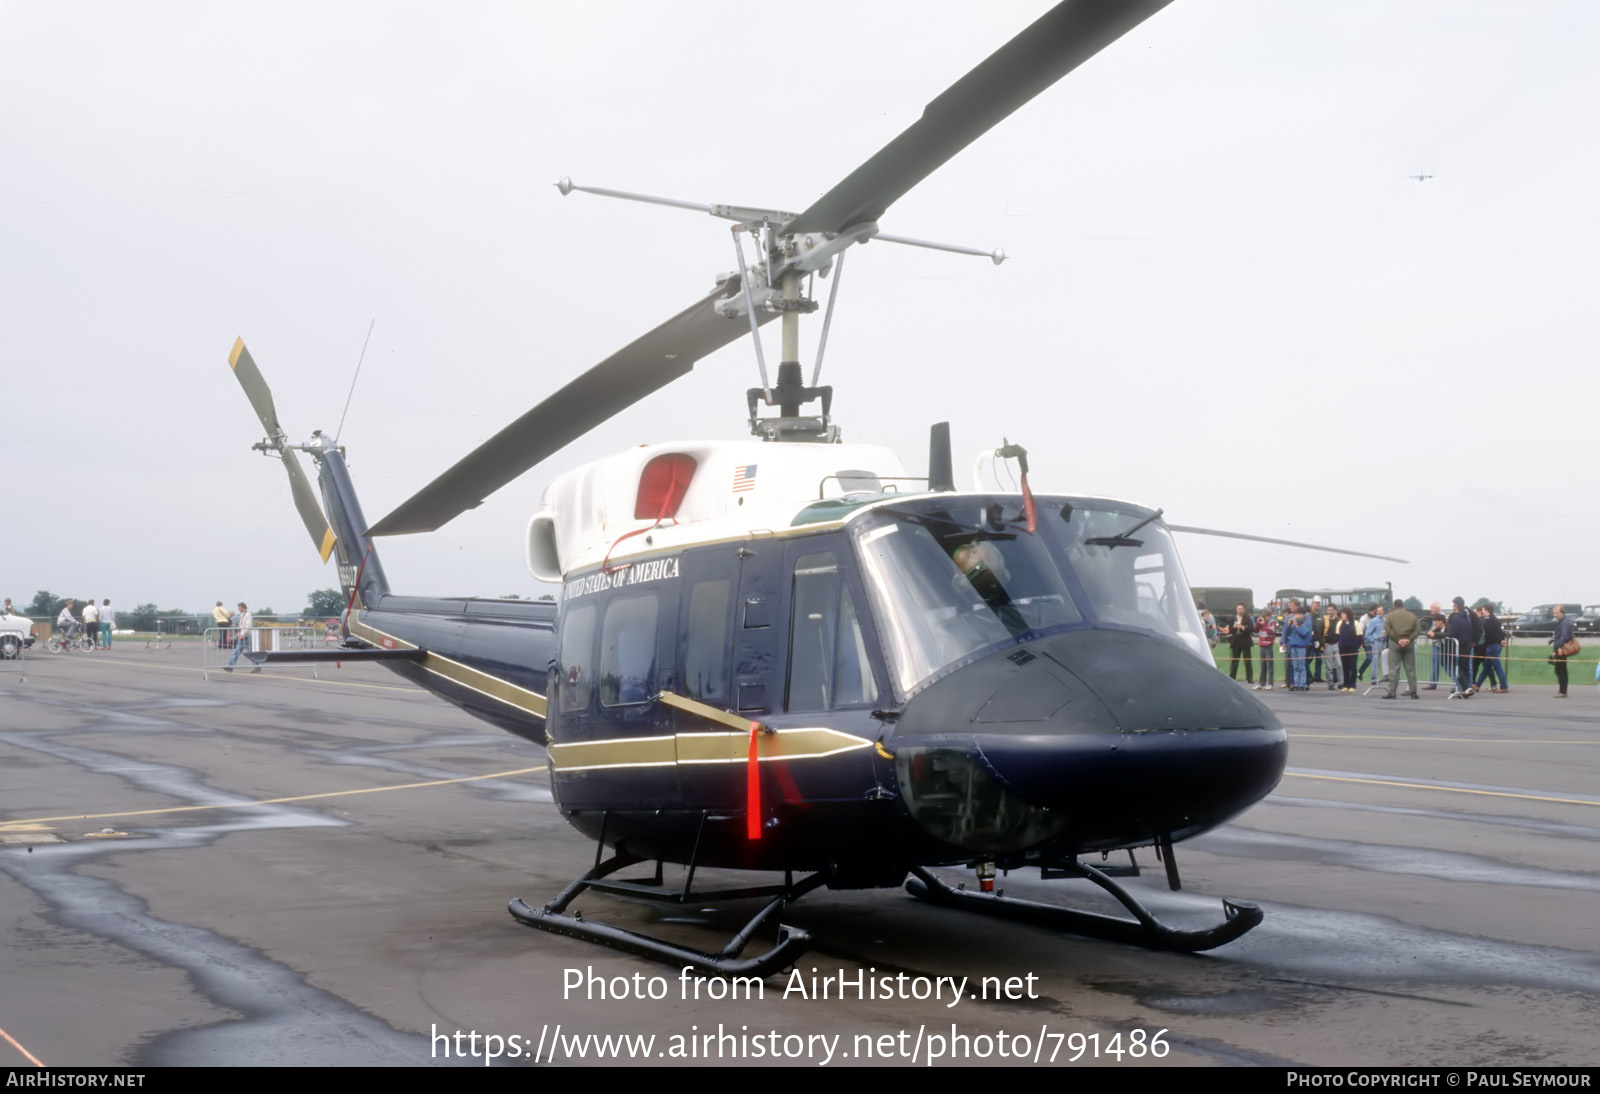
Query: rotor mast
792, 247
774, 284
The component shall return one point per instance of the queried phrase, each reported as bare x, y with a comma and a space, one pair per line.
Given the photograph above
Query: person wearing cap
1459, 627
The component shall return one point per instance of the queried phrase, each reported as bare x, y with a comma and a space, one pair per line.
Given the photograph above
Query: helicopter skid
1146, 931
791, 941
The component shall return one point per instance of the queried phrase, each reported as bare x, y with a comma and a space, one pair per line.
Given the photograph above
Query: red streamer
753, 787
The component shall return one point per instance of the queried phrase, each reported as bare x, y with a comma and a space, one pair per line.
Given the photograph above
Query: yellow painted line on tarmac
1451, 789
302, 679
35, 823
32, 1059
1393, 737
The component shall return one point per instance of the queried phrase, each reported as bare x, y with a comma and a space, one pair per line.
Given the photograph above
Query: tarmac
280, 870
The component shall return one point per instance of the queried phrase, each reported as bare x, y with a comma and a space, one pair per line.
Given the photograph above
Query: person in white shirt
66, 622
246, 637
108, 623
91, 621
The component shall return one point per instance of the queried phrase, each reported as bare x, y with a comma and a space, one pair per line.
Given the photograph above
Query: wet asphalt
1430, 873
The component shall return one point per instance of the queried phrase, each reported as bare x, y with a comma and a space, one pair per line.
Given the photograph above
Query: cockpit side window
948, 584
828, 662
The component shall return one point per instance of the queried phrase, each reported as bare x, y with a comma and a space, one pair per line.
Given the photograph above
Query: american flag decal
744, 478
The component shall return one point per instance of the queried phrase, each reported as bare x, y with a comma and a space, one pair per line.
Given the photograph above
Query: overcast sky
1226, 295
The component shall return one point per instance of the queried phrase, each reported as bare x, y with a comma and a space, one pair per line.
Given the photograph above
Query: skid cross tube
1241, 915
791, 942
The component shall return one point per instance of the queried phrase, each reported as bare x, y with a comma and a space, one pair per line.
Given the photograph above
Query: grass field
1525, 665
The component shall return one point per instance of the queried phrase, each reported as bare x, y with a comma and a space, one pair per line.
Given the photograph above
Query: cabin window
705, 658
828, 662
628, 651
577, 658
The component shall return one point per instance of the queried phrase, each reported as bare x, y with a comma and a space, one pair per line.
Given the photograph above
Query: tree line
320, 604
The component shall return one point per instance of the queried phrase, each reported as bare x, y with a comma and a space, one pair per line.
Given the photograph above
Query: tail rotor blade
255, 388
305, 500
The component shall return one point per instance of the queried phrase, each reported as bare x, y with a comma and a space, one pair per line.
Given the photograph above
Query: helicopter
786, 654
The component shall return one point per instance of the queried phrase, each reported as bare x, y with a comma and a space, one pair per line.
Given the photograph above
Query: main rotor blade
643, 366
1061, 40
1283, 543
244, 367
305, 500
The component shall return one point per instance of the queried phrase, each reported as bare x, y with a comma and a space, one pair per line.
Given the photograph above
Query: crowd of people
97, 622
1338, 646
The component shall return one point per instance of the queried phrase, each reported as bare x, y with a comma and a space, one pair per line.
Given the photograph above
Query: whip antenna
353, 379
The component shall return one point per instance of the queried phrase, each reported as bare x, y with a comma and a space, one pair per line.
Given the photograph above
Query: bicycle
58, 643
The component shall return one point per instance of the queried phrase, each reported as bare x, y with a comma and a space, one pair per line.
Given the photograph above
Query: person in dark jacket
1459, 627
1349, 648
1492, 668
1478, 644
1315, 617
1241, 636
1562, 636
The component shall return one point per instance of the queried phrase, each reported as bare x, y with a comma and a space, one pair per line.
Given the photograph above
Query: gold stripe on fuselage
802, 743
530, 702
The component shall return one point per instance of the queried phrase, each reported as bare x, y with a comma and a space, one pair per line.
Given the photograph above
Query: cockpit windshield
951, 576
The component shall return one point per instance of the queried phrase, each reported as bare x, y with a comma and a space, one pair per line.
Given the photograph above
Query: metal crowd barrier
169, 628
215, 653
1435, 661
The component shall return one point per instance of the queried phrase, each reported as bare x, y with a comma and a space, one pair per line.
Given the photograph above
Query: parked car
16, 635
1541, 621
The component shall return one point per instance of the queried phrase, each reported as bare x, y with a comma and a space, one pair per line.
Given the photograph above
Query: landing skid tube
1147, 932
791, 943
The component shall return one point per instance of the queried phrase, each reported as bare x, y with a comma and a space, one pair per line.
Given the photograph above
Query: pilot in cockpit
983, 566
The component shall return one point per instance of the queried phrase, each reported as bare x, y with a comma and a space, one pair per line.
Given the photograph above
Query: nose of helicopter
1087, 740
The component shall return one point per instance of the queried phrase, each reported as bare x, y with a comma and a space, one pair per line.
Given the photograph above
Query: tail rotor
305, 498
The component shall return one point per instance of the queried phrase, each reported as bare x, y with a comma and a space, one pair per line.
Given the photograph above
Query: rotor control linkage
1240, 915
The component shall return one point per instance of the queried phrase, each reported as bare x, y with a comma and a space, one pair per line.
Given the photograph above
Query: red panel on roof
662, 486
